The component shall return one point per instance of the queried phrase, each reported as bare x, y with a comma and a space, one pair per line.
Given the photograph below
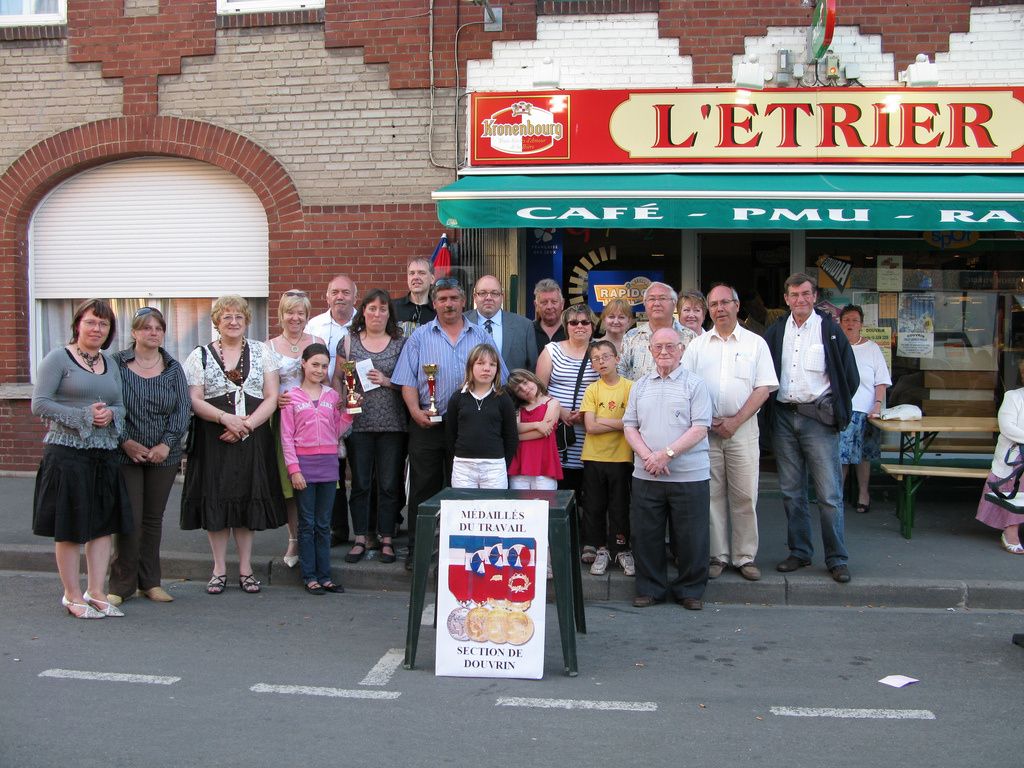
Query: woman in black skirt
80, 497
231, 479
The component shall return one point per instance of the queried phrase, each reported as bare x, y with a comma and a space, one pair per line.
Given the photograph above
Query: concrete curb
805, 589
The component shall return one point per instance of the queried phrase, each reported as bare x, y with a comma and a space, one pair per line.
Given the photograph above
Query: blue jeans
315, 502
379, 455
806, 447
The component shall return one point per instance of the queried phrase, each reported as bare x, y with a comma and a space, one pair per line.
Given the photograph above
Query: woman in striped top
157, 412
558, 367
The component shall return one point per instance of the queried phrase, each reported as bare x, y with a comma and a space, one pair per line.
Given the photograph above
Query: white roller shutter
150, 227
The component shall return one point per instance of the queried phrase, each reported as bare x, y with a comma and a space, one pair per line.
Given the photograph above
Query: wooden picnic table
915, 437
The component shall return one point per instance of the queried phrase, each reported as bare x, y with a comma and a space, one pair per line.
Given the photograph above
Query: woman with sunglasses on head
80, 496
293, 313
231, 479
564, 368
156, 419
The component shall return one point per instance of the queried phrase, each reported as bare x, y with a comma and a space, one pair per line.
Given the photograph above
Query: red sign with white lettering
784, 125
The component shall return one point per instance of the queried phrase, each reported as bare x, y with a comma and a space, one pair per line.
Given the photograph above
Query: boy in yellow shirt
607, 464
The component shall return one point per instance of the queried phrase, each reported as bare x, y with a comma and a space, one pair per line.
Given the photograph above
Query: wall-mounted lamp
922, 73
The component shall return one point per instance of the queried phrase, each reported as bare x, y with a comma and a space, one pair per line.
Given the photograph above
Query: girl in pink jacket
311, 426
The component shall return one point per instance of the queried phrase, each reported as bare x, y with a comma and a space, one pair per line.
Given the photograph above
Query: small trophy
431, 370
352, 404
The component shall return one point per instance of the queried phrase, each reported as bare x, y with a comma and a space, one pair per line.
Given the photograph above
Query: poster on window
492, 588
890, 273
916, 325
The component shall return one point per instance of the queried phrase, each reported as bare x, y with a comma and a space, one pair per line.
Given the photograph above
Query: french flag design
491, 568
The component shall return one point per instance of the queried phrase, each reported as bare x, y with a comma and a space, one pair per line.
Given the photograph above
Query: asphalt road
284, 679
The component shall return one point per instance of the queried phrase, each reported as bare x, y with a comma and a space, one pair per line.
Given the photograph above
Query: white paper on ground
898, 681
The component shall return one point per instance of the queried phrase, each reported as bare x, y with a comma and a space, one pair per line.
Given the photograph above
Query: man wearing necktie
513, 334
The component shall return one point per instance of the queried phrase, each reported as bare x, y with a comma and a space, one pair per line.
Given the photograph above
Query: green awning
722, 200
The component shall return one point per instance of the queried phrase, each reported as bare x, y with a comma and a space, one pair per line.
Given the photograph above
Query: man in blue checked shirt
445, 341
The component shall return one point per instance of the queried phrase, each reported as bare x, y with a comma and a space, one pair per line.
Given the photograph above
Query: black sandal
863, 508
330, 586
385, 557
314, 588
355, 556
249, 584
217, 584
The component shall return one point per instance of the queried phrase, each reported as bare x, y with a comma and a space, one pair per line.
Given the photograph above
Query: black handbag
190, 436
565, 434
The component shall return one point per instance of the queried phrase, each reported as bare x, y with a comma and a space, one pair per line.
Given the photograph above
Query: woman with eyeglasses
377, 445
157, 410
80, 496
231, 479
292, 313
692, 309
616, 318
564, 368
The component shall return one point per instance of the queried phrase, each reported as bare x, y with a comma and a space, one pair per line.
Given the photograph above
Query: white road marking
384, 669
427, 619
869, 714
334, 693
108, 677
618, 706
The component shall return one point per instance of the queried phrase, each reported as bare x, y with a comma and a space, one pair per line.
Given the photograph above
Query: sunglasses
143, 311
296, 293
448, 282
578, 322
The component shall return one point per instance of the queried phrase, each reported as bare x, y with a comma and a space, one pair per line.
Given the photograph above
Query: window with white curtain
154, 231
188, 322
21, 12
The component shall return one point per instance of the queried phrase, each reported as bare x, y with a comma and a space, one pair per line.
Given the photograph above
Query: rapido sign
862, 125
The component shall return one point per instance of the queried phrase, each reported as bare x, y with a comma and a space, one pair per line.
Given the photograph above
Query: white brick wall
341, 133
991, 53
601, 51
876, 68
42, 94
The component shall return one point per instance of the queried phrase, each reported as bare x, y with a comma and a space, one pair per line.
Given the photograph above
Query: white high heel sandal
88, 613
291, 560
109, 610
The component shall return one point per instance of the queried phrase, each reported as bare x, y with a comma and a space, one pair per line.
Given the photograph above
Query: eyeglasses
657, 299
602, 358
582, 321
722, 303
485, 294
448, 282
296, 293
656, 348
143, 311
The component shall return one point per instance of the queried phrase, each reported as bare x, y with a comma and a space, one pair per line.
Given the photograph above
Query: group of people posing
654, 426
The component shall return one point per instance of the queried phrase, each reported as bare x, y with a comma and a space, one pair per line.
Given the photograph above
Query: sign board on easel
492, 589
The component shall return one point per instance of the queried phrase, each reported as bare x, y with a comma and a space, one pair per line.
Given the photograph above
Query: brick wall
331, 119
42, 94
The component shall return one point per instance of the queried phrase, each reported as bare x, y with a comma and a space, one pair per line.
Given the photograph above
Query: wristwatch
670, 453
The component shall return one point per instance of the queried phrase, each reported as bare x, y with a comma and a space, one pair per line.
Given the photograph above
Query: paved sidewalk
952, 561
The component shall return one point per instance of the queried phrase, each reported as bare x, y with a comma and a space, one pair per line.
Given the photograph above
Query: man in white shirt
737, 367
332, 325
817, 378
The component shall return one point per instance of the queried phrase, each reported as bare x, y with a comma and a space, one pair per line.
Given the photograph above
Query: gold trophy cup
431, 370
352, 404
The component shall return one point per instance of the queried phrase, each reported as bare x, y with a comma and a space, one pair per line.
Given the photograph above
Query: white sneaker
601, 562
625, 561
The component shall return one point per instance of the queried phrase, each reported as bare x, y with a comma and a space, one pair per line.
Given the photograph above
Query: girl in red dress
536, 464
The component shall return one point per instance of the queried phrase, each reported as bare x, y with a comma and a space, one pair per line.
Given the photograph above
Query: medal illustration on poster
492, 588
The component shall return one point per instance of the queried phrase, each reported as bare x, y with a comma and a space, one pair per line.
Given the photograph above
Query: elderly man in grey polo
666, 424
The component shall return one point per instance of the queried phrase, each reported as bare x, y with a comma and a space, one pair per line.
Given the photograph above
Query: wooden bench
910, 477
